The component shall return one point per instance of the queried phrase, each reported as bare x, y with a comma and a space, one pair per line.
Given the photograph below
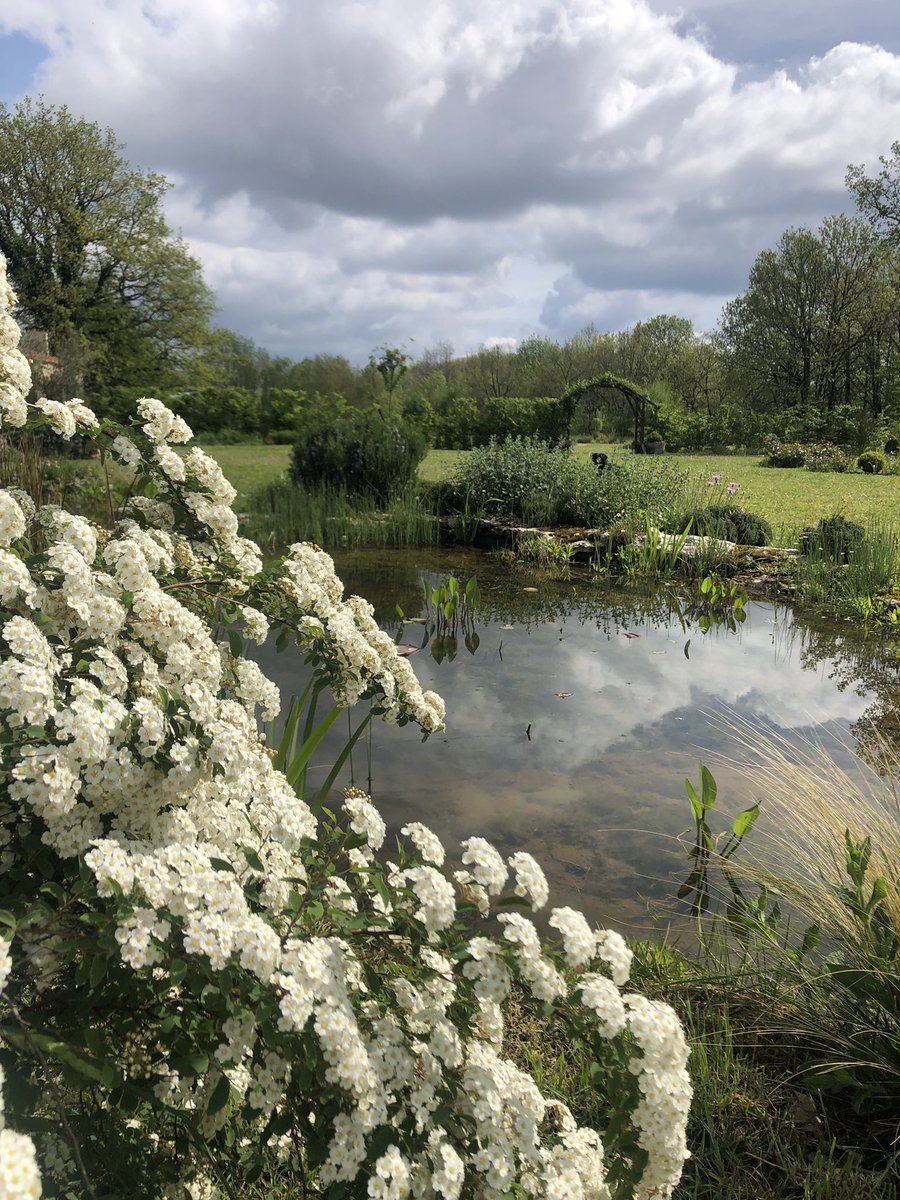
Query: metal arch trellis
636, 399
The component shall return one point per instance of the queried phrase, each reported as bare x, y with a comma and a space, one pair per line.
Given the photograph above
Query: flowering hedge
203, 984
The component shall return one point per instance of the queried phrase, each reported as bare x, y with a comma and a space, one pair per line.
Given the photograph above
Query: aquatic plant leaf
744, 821
708, 787
696, 805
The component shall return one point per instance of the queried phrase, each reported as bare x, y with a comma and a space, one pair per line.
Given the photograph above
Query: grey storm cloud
350, 173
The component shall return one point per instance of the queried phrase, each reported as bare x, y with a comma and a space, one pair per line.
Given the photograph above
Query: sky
354, 173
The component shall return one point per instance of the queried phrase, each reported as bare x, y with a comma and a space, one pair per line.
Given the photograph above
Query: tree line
810, 349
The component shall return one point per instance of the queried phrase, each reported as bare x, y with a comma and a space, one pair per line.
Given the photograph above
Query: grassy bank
789, 498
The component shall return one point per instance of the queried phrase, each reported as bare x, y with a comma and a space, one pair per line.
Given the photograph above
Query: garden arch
636, 399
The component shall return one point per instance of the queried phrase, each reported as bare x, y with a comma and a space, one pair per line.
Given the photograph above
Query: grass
279, 513
249, 467
790, 498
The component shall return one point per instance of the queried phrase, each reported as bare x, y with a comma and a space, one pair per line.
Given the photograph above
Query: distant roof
33, 356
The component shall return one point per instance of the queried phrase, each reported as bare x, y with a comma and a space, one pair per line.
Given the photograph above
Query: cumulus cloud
462, 170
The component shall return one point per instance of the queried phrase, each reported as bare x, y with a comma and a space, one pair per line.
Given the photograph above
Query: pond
572, 726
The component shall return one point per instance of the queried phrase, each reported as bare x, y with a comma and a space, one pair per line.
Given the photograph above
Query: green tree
644, 352
814, 305
391, 364
89, 251
878, 196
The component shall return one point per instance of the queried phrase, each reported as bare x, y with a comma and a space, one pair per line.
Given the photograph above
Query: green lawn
248, 467
789, 498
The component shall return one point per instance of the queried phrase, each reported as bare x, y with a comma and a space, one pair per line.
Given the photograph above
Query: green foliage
823, 456
850, 569
450, 608
542, 485
461, 423
878, 197
90, 254
834, 537
784, 454
843, 425
418, 411
456, 425
652, 553
871, 462
526, 480
829, 986
729, 522
803, 333
280, 513
391, 363
362, 455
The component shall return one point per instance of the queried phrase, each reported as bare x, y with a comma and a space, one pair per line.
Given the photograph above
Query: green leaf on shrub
191, 1064
219, 1097
253, 859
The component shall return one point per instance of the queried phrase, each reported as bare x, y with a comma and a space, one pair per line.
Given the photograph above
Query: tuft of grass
850, 578
281, 513
791, 1001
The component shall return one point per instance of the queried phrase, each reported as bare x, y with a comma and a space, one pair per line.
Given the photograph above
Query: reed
281, 513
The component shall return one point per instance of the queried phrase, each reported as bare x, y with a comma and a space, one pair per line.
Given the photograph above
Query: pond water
571, 728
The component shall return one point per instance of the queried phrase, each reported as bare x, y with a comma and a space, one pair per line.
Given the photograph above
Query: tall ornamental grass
207, 988
810, 935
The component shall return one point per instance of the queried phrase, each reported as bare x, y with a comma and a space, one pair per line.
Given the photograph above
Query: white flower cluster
362, 660
134, 748
20, 1178
15, 375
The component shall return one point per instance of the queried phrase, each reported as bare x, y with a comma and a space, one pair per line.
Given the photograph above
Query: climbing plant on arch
636, 399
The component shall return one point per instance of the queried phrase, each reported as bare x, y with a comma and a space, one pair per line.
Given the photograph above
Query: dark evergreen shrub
729, 522
834, 537
362, 455
871, 461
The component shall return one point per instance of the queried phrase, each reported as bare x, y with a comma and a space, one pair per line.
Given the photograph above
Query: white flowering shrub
206, 988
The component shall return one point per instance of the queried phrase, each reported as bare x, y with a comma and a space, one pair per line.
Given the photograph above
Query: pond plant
537, 484
800, 925
207, 988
